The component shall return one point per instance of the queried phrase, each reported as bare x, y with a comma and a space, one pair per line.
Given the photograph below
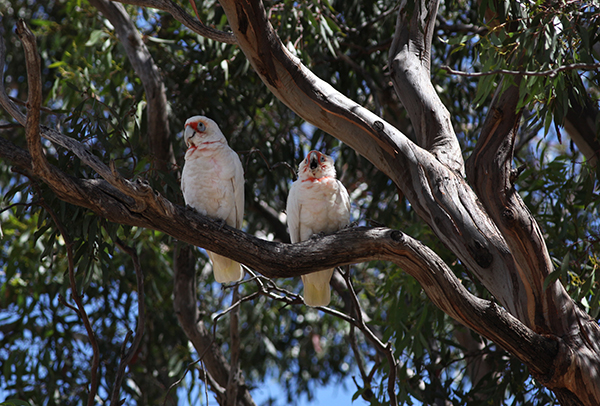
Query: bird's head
316, 166
199, 130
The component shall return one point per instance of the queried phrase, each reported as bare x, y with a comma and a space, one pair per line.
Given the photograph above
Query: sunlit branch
550, 72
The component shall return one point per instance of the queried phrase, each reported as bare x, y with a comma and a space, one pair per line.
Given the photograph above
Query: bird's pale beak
313, 162
187, 135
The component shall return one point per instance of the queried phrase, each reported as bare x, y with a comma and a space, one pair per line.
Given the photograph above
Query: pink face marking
194, 125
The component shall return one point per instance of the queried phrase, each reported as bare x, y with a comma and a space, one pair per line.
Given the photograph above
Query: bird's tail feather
316, 288
225, 269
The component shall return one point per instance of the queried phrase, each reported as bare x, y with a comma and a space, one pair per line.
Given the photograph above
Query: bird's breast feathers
212, 182
321, 206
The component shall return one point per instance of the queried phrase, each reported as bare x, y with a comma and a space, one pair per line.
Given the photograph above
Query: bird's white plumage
317, 203
212, 182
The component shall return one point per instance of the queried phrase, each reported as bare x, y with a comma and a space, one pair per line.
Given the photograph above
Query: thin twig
231, 308
270, 167
205, 382
234, 345
62, 300
357, 355
127, 357
35, 203
189, 367
549, 72
385, 349
269, 290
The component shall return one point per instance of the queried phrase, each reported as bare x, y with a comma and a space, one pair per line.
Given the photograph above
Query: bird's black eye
322, 158
201, 126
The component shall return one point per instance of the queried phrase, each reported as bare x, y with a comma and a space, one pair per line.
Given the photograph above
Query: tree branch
184, 303
551, 310
140, 58
34, 99
409, 61
80, 309
126, 357
550, 72
184, 18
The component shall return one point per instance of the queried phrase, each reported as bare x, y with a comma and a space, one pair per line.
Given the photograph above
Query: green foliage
94, 96
534, 37
14, 402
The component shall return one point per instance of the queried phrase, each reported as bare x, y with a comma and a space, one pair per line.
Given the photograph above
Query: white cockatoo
212, 182
317, 203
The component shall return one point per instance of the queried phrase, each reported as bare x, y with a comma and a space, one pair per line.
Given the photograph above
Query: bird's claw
317, 236
221, 223
351, 225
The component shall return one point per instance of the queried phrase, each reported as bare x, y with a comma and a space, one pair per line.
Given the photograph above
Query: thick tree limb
140, 58
410, 60
34, 99
490, 171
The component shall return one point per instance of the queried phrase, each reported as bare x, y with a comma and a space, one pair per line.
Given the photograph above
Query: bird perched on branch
317, 203
212, 182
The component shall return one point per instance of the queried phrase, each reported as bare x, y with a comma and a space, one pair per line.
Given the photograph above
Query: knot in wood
508, 215
481, 254
497, 114
397, 236
515, 173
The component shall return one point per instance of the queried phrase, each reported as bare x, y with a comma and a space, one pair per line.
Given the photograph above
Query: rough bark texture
488, 228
